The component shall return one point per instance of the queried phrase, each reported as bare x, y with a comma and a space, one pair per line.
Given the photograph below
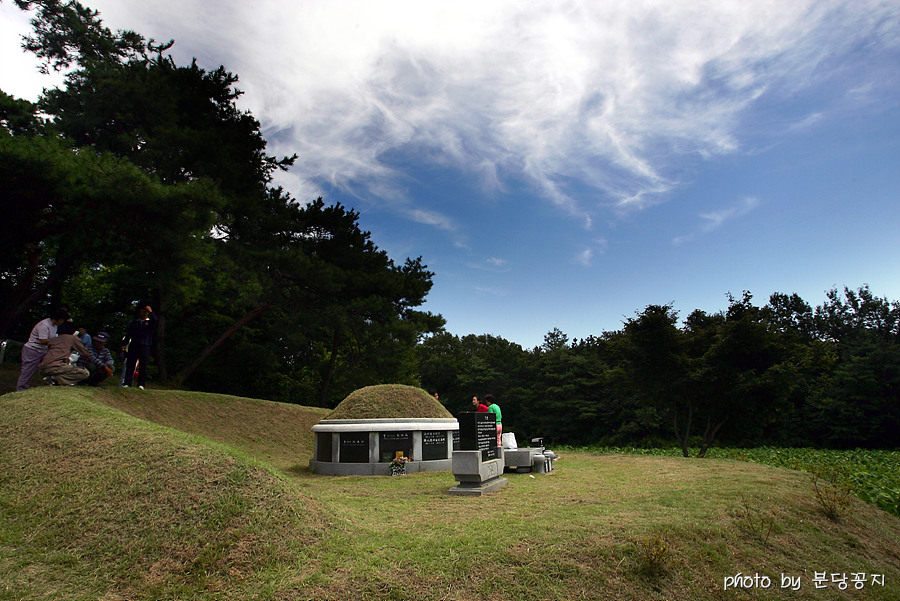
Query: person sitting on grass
57, 368
99, 360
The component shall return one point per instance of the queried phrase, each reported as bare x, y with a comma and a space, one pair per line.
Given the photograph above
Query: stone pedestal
475, 476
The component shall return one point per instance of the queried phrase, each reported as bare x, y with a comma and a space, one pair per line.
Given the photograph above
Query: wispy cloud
493, 264
715, 219
585, 256
807, 122
563, 95
490, 291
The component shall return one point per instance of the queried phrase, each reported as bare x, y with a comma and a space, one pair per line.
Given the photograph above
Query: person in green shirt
495, 409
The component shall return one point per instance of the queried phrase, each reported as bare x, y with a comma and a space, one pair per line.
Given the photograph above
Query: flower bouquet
398, 465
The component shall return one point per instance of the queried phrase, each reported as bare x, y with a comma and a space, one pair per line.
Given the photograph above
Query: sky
564, 164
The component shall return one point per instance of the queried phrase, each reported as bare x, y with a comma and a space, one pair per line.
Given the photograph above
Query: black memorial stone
391, 442
323, 446
354, 447
434, 445
455, 440
478, 432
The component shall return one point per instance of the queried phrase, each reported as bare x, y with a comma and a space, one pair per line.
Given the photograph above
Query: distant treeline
782, 374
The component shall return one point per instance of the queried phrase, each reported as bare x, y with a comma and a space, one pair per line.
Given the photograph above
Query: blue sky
565, 164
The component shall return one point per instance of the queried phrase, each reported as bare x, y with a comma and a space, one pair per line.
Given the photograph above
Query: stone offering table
528, 459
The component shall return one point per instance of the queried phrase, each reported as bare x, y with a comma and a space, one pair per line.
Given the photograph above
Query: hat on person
101, 337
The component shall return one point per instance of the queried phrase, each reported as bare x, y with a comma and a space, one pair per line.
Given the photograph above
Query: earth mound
386, 401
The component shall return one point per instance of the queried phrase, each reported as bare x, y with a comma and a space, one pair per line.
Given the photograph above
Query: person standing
56, 364
495, 409
138, 340
38, 344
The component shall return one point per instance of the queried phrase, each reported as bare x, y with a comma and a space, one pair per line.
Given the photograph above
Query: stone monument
478, 464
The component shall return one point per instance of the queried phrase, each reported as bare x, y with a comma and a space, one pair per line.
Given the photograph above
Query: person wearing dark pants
138, 340
38, 342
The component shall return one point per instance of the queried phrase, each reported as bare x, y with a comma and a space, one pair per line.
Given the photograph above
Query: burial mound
387, 401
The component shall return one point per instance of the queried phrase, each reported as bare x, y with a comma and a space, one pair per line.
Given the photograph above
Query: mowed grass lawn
121, 494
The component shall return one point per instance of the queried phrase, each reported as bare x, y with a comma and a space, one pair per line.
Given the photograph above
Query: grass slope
97, 504
98, 501
277, 433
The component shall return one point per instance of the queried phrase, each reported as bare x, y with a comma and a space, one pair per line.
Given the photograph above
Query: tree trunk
329, 375
206, 352
17, 306
159, 339
687, 430
710, 436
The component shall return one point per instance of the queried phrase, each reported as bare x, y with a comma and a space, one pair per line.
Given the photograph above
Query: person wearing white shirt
38, 343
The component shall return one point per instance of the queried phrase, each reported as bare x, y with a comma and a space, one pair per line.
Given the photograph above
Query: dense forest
783, 374
140, 181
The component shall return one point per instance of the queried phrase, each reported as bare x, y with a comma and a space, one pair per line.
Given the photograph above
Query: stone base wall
329, 468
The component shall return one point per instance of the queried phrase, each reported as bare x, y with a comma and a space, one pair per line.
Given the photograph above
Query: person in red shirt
479, 406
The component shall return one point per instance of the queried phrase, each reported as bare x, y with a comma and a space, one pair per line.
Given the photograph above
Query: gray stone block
468, 467
519, 457
472, 489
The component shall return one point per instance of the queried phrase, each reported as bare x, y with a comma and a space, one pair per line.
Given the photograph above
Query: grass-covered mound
387, 401
99, 504
96, 504
277, 433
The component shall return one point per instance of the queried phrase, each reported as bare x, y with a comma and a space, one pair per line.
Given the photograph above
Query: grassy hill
122, 494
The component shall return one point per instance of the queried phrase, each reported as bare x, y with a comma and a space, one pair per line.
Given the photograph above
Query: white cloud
599, 96
585, 256
679, 240
490, 291
807, 122
492, 264
713, 220
19, 76
432, 218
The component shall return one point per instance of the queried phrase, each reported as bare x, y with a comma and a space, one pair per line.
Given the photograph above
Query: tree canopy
144, 179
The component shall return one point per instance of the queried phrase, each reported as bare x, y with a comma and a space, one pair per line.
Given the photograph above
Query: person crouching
56, 365
99, 360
